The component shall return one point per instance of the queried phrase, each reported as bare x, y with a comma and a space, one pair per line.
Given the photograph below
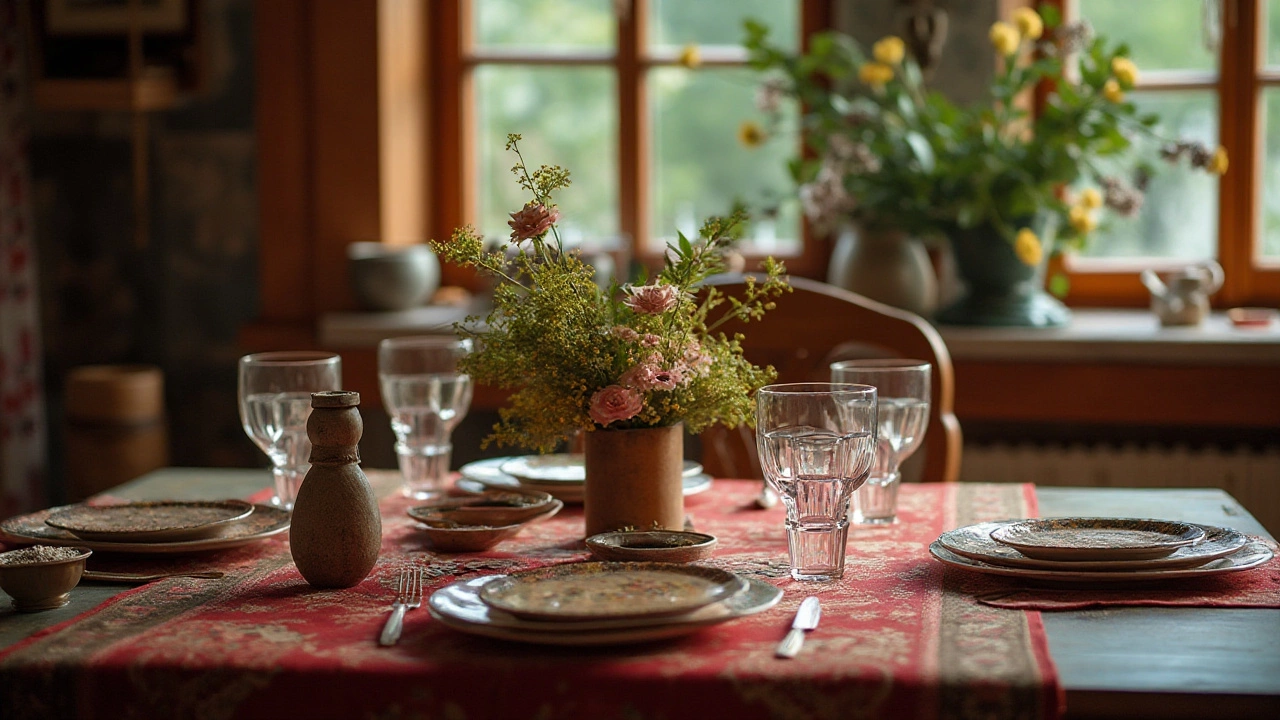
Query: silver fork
408, 597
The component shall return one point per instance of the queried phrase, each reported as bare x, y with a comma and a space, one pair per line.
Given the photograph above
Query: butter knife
806, 619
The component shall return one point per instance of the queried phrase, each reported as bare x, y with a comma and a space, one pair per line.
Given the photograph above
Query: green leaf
1052, 17
1059, 284
923, 152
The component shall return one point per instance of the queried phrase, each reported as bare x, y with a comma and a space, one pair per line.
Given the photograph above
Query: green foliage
557, 340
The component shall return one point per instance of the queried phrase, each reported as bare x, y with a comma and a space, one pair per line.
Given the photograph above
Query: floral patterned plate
605, 590
459, 606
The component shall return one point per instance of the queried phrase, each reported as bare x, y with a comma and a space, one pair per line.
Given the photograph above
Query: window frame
453, 132
1239, 82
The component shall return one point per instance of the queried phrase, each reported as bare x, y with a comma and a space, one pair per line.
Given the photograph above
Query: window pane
719, 22
1179, 218
699, 166
1272, 11
1162, 34
1270, 205
567, 117
544, 25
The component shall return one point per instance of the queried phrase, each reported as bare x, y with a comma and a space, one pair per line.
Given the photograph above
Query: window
1211, 70
605, 88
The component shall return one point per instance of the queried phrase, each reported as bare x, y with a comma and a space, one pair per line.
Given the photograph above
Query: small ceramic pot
42, 585
451, 536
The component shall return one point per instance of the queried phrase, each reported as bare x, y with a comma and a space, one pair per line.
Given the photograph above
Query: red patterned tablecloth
896, 640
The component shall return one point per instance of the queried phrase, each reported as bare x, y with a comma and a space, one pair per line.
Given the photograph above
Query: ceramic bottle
336, 531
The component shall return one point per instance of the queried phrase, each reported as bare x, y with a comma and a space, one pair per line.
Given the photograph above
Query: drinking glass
816, 443
275, 401
426, 397
904, 387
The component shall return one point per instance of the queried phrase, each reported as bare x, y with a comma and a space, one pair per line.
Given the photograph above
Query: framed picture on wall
112, 17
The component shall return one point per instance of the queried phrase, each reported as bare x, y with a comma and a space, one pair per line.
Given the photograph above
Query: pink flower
531, 221
650, 340
624, 333
652, 299
695, 361
639, 377
650, 375
615, 403
667, 379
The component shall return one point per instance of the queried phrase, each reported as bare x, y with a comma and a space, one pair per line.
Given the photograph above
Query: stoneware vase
888, 266
1000, 289
336, 532
634, 479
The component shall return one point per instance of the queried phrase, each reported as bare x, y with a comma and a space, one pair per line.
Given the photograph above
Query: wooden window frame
453, 132
1250, 280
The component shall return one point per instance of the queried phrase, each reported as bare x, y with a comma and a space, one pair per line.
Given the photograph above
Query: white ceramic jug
1182, 298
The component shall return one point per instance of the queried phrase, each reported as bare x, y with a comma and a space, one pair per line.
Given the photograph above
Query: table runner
897, 638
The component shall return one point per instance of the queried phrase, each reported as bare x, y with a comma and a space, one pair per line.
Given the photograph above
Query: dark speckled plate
974, 541
150, 521
264, 522
1253, 554
603, 590
1071, 539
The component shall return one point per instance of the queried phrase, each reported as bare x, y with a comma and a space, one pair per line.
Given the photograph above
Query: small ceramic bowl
452, 536
43, 585
491, 507
384, 277
651, 545
1252, 317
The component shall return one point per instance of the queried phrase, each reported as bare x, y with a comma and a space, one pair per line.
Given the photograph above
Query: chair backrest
815, 325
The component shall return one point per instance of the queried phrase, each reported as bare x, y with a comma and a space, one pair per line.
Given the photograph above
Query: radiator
1250, 475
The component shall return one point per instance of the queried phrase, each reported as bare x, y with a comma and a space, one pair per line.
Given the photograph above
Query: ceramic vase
335, 533
634, 479
888, 266
1000, 289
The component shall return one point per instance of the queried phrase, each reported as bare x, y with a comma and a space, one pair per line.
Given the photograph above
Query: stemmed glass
816, 443
426, 397
904, 387
275, 401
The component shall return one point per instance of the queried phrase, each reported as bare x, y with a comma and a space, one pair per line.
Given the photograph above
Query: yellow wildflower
1027, 246
1028, 22
875, 74
1111, 91
1219, 162
751, 134
889, 50
1125, 71
1004, 38
1082, 220
690, 56
1090, 198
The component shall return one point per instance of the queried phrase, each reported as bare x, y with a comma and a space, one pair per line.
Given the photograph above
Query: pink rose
650, 340
624, 333
652, 299
615, 403
695, 360
531, 221
639, 377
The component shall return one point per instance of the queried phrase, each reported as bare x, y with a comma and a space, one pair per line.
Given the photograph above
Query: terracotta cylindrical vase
634, 479
335, 533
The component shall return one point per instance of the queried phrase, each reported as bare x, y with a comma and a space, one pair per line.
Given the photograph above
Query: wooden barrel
115, 426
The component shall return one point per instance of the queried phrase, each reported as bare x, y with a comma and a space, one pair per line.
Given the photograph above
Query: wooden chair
817, 324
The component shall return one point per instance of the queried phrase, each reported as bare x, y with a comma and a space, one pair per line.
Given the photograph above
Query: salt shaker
336, 532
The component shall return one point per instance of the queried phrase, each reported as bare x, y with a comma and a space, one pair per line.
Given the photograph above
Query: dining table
901, 634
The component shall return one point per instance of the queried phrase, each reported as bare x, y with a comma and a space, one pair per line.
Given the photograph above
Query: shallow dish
490, 507
150, 521
264, 522
1097, 538
486, 474
974, 541
450, 536
652, 545
45, 585
557, 468
459, 606
1253, 554
604, 590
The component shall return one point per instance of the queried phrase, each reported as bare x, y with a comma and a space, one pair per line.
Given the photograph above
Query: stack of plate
599, 603
1098, 549
561, 475
152, 527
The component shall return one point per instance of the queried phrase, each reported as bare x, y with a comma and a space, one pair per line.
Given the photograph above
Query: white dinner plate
487, 474
459, 606
566, 468
1253, 554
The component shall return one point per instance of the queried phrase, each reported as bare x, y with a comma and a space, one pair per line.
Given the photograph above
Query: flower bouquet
577, 357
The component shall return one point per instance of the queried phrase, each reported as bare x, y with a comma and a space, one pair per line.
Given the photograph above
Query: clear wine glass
426, 397
816, 443
275, 401
904, 387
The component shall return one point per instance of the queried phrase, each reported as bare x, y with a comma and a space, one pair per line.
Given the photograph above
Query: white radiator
1252, 476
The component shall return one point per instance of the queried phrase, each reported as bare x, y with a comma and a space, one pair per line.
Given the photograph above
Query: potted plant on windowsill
1005, 186
629, 366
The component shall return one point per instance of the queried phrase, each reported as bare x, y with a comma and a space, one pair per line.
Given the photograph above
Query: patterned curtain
22, 421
